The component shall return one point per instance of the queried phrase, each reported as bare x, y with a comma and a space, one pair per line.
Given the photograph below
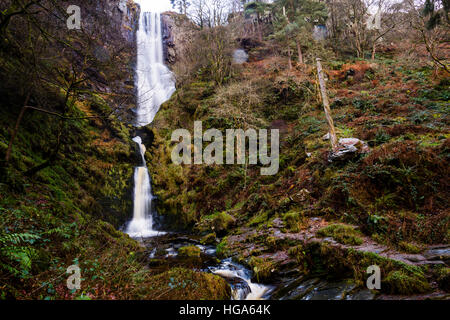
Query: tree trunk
300, 53
16, 128
290, 57
374, 49
326, 106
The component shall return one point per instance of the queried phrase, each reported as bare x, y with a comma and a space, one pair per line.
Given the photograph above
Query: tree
386, 19
431, 22
198, 13
44, 84
182, 5
258, 10
294, 24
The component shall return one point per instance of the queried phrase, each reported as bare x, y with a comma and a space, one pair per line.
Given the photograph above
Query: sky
154, 5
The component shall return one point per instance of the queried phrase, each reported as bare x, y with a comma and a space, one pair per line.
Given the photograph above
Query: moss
262, 268
341, 233
219, 222
186, 284
222, 249
444, 279
191, 252
292, 220
400, 282
209, 239
409, 247
259, 219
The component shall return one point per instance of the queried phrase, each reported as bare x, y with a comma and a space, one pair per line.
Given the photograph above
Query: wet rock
364, 294
239, 287
439, 253
330, 291
295, 290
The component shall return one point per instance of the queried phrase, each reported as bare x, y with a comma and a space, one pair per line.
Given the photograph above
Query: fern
16, 255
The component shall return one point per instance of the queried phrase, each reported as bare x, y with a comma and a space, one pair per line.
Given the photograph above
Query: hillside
71, 172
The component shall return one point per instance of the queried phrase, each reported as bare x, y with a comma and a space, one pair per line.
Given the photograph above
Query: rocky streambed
174, 250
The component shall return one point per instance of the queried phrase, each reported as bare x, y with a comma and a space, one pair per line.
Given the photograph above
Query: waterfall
155, 83
142, 223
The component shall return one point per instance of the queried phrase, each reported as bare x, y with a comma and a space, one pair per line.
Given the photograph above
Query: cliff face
177, 32
114, 24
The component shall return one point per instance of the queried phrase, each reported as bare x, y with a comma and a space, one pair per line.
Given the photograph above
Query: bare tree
431, 36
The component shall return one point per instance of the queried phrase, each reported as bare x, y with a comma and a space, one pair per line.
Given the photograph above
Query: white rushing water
155, 83
142, 223
253, 291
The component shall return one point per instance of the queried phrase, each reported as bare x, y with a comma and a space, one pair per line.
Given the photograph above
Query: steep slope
395, 195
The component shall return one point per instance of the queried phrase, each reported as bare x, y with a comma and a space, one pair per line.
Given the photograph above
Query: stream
163, 254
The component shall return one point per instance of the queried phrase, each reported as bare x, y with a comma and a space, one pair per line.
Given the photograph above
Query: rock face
111, 20
177, 33
113, 25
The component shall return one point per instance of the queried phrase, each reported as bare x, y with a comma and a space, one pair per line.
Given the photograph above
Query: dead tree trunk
300, 53
290, 57
326, 106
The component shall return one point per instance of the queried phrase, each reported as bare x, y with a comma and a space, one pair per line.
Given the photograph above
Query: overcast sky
154, 5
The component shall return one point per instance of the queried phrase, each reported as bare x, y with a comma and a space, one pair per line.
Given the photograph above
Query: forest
224, 150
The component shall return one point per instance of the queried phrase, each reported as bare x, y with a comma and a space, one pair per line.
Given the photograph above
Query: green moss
292, 220
400, 282
444, 279
262, 268
222, 249
259, 219
186, 284
219, 222
409, 247
189, 252
209, 239
341, 233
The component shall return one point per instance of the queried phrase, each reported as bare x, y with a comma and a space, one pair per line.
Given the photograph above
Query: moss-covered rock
341, 233
222, 249
189, 252
186, 284
400, 282
209, 239
263, 269
219, 222
409, 247
292, 220
444, 279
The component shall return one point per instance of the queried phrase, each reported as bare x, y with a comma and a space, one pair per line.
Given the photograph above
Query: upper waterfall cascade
155, 83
